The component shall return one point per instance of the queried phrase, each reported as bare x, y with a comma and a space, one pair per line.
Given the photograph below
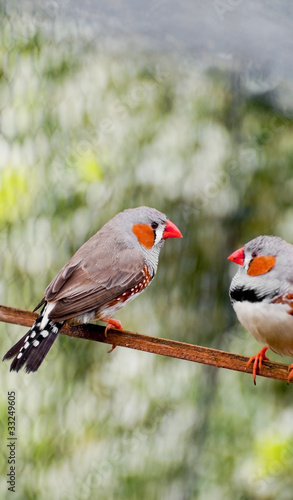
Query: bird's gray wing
86, 284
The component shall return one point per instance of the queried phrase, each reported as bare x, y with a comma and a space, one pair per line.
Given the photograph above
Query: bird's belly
270, 324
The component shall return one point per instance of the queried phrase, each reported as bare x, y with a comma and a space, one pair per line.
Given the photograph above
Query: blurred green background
85, 133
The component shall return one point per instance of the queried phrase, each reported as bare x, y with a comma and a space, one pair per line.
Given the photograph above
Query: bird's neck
152, 257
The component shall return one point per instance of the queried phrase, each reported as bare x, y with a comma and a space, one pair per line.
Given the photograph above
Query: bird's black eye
154, 225
253, 255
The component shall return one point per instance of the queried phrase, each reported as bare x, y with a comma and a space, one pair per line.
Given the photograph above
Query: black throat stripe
240, 293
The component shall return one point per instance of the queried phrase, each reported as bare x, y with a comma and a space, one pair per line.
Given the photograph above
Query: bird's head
261, 255
151, 227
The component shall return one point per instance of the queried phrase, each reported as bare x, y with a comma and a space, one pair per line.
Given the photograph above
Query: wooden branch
155, 345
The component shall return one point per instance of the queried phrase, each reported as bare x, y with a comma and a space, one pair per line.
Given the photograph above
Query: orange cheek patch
261, 265
144, 234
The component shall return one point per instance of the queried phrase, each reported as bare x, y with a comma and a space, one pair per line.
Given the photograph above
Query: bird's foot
257, 362
112, 348
290, 370
112, 322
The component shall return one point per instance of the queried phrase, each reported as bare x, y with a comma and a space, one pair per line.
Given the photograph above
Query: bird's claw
112, 322
112, 348
290, 370
257, 362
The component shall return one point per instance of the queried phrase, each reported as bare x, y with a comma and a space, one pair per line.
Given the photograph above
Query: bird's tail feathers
33, 347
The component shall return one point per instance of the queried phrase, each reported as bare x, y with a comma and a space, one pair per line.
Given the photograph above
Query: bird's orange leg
290, 370
112, 322
257, 362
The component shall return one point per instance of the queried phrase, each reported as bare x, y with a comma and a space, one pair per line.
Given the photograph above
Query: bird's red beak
171, 231
237, 256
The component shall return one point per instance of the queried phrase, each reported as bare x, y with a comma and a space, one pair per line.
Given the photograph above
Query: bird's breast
269, 323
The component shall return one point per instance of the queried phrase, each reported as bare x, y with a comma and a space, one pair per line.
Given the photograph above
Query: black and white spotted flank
31, 349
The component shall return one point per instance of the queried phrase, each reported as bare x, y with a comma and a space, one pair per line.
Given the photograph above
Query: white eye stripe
159, 234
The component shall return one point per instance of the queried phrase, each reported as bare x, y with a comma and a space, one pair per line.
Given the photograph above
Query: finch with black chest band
261, 294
